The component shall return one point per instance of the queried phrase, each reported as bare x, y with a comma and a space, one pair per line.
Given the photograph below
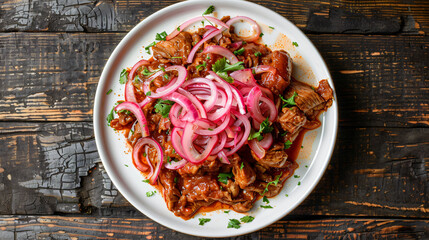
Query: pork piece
244, 203
307, 100
249, 58
259, 187
203, 188
291, 119
245, 175
275, 157
325, 90
179, 46
170, 192
279, 81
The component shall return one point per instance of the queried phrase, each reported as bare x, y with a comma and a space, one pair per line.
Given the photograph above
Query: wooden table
53, 185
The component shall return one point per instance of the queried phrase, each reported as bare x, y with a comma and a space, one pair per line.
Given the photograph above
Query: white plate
318, 145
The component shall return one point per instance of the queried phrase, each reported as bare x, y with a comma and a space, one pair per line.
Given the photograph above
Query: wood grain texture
335, 16
57, 227
382, 80
55, 168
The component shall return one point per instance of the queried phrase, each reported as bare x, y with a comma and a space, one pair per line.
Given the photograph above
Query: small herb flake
234, 223
306, 166
302, 146
178, 28
145, 180
290, 101
227, 211
144, 154
223, 177
201, 66
266, 206
175, 179
265, 200
242, 165
260, 35
286, 195
125, 165
239, 51
299, 183
147, 48
313, 88
247, 219
148, 93
203, 221
161, 36
176, 57
288, 144
271, 27
123, 76
132, 132
257, 54
150, 193
295, 44
209, 10
110, 116
108, 92
296, 176
275, 182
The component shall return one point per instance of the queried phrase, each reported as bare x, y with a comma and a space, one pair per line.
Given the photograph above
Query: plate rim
97, 112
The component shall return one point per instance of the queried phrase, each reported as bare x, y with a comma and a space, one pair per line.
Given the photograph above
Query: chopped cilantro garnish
284, 134
125, 165
147, 48
299, 183
221, 67
163, 107
306, 166
123, 76
136, 79
266, 206
175, 179
295, 44
176, 57
166, 76
148, 93
223, 177
210, 129
178, 28
286, 195
144, 154
161, 36
275, 182
110, 116
271, 27
201, 66
257, 54
227, 211
313, 88
132, 132
260, 35
108, 92
296, 176
302, 146
264, 128
203, 221
247, 219
168, 160
242, 165
145, 180
209, 10
239, 51
234, 223
202, 22
150, 193
288, 144
265, 200
290, 101
146, 72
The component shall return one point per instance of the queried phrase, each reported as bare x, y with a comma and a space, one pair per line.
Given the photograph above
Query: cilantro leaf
242, 165
263, 128
201, 66
163, 107
247, 219
265, 200
203, 221
295, 44
110, 116
108, 92
234, 223
223, 177
146, 180
288, 144
123, 76
221, 67
161, 36
275, 182
267, 206
147, 48
150, 193
290, 101
257, 54
209, 10
227, 211
239, 51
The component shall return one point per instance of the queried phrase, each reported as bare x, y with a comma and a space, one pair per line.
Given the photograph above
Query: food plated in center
215, 117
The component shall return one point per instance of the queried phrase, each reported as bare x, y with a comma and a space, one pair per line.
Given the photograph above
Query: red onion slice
221, 143
175, 165
172, 86
137, 160
252, 104
221, 51
244, 76
192, 155
221, 113
194, 20
239, 99
192, 112
215, 130
129, 87
245, 121
257, 148
138, 113
176, 140
195, 101
223, 158
254, 26
197, 46
266, 141
159, 153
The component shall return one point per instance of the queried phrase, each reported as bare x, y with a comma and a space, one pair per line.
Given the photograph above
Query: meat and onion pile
212, 117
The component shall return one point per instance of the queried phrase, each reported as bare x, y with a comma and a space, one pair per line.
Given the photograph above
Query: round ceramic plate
279, 33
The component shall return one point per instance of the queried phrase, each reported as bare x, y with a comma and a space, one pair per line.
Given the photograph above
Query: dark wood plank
381, 80
55, 168
60, 227
335, 16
